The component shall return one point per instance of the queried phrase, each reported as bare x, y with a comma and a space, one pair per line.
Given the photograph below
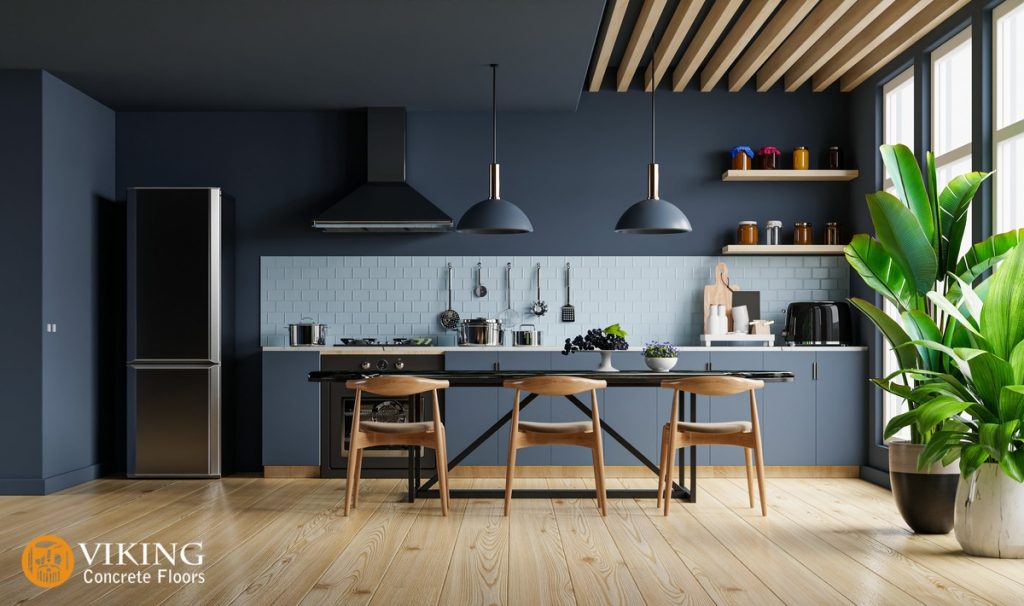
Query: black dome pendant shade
653, 215
494, 215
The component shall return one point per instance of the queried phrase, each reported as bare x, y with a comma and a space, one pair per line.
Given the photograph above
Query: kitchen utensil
740, 319
450, 317
817, 323
746, 233
522, 337
480, 331
568, 311
802, 233
773, 233
509, 317
539, 307
480, 290
305, 333
801, 159
751, 299
719, 292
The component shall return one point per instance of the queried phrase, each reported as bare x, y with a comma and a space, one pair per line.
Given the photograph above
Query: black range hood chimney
386, 203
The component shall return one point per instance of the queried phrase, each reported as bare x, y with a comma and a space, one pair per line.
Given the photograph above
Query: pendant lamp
653, 215
494, 215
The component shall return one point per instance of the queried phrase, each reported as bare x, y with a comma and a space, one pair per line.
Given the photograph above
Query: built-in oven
338, 404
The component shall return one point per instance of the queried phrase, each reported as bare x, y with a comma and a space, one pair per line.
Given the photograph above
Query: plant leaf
937, 447
900, 421
989, 374
972, 457
1011, 403
906, 178
953, 312
970, 298
880, 271
938, 410
1002, 321
920, 326
1013, 465
902, 235
894, 333
1017, 363
933, 202
954, 204
987, 253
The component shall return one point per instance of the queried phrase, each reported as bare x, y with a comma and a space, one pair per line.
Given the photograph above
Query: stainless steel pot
526, 338
307, 333
480, 331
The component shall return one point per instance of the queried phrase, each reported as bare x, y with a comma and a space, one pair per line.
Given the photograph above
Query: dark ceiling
307, 54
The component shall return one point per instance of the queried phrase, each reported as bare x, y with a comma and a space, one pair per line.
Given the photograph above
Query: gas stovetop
389, 342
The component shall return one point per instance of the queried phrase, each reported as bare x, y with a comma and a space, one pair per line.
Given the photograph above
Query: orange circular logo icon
47, 561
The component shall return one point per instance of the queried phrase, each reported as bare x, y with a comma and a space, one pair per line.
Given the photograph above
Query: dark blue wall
56, 174
21, 270
573, 173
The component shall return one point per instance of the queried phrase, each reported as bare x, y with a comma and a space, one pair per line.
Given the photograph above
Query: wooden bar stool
578, 433
746, 434
429, 434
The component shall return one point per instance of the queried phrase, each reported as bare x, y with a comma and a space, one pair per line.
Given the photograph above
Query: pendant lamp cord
653, 69
494, 113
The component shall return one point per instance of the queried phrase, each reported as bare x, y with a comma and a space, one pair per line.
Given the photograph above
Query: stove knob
399, 364
382, 364
365, 365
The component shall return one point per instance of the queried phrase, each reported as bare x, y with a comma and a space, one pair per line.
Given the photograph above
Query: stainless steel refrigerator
174, 332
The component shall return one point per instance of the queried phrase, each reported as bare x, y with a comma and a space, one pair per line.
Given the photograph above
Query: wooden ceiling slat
887, 24
714, 23
811, 29
650, 12
745, 28
607, 44
835, 40
774, 34
682, 20
907, 35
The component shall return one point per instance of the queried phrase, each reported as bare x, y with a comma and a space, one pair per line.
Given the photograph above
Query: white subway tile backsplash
652, 297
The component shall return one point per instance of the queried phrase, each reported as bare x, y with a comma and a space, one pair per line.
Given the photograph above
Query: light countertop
439, 350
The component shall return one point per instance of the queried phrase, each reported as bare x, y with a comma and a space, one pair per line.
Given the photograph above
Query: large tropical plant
977, 414
915, 250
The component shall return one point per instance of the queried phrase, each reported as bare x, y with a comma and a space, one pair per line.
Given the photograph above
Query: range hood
386, 203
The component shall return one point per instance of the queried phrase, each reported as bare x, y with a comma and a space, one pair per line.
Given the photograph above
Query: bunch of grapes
595, 339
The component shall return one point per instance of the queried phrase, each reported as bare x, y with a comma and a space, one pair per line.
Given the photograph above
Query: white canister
740, 319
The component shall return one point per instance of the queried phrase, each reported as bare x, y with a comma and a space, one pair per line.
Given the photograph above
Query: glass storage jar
773, 233
801, 158
802, 234
746, 233
834, 158
741, 156
831, 233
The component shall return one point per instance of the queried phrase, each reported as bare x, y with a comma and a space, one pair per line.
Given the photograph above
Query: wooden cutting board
719, 292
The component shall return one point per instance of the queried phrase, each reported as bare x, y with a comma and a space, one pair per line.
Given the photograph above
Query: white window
951, 114
897, 127
1008, 114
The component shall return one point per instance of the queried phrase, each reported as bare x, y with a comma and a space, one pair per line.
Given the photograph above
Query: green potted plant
975, 412
604, 340
660, 356
918, 233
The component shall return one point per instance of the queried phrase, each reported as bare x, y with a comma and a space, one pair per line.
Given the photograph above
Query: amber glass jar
801, 159
802, 234
741, 156
832, 233
746, 233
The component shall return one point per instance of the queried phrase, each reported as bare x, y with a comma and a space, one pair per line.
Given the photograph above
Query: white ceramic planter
661, 364
606, 361
989, 516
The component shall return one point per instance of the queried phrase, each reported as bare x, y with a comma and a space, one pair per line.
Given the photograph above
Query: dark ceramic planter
926, 499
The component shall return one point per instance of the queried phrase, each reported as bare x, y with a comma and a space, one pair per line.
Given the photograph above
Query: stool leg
510, 471
661, 467
750, 476
350, 478
602, 492
669, 456
759, 463
441, 457
355, 482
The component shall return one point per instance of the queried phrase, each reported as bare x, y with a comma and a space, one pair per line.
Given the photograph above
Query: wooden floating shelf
790, 175
784, 249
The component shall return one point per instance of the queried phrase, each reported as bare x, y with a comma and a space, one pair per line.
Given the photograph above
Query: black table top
491, 378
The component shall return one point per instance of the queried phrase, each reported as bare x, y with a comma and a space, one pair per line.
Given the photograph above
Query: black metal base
553, 493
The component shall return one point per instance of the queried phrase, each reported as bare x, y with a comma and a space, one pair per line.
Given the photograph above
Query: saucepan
526, 337
307, 332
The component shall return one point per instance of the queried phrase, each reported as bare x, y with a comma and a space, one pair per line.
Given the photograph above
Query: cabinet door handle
814, 371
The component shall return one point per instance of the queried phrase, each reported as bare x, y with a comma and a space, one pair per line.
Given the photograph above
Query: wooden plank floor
285, 541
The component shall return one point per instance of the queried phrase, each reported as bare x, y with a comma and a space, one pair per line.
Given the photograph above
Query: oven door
374, 408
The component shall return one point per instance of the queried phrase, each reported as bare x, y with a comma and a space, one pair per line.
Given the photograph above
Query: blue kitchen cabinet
688, 360
538, 410
789, 409
733, 408
469, 411
841, 424
633, 412
291, 408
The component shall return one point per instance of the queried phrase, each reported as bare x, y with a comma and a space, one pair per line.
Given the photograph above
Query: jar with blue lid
741, 157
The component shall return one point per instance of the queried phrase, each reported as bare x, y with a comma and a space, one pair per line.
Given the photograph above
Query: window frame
1009, 131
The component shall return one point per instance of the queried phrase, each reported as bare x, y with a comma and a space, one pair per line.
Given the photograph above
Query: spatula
568, 311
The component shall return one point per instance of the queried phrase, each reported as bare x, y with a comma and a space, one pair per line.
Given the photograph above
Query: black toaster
817, 323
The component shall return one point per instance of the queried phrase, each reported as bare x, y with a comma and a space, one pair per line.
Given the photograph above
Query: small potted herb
660, 356
605, 341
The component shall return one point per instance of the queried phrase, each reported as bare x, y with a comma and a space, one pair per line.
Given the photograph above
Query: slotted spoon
450, 317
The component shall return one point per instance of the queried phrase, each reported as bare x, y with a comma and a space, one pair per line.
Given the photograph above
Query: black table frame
418, 488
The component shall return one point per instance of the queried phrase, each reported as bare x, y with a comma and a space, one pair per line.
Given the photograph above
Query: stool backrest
713, 385
395, 386
555, 385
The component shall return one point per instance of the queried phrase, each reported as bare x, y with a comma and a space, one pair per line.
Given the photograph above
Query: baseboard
42, 486
637, 471
291, 471
875, 476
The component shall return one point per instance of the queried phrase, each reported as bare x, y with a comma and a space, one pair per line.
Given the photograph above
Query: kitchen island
497, 378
